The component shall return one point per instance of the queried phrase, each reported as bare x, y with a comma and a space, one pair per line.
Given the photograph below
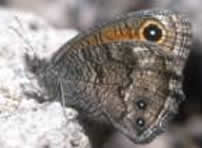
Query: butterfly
126, 74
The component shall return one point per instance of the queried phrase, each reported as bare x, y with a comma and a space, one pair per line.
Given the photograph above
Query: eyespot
140, 122
141, 104
152, 31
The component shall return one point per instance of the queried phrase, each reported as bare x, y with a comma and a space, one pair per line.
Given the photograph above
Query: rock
36, 125
81, 14
25, 122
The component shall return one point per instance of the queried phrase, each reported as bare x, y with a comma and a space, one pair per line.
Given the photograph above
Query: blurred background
185, 131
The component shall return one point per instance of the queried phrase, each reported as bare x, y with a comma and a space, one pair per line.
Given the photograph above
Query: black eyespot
140, 122
141, 104
152, 33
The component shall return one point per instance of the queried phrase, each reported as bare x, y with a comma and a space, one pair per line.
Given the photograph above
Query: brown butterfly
125, 74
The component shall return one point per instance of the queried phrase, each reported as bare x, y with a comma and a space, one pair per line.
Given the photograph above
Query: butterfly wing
123, 83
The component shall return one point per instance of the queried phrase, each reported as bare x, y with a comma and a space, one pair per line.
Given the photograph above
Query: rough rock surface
36, 125
24, 122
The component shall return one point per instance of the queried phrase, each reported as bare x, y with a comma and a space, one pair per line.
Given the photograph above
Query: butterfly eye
151, 31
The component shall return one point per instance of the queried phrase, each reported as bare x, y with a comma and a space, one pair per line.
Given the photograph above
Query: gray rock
36, 125
25, 122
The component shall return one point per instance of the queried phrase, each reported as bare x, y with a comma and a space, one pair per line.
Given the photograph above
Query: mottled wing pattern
126, 82
126, 73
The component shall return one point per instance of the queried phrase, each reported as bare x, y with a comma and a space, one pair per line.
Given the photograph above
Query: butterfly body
126, 74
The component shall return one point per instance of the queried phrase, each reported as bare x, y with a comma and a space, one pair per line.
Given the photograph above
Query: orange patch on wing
107, 35
118, 34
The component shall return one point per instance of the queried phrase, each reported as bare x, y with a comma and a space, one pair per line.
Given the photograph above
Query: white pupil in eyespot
153, 32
